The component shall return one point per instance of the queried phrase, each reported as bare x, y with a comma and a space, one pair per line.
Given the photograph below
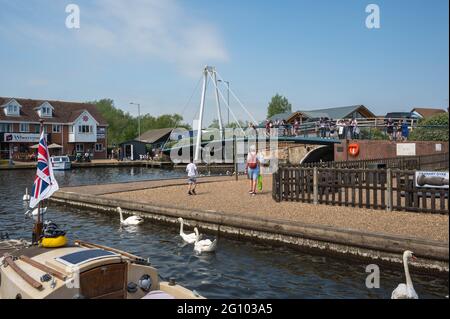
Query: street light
139, 119
228, 100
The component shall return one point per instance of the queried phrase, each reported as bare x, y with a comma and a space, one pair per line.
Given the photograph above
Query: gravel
231, 196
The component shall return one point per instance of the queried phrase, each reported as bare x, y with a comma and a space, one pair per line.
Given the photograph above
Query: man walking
192, 173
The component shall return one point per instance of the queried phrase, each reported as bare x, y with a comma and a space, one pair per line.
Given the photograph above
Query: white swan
26, 197
406, 291
188, 238
33, 213
130, 221
206, 245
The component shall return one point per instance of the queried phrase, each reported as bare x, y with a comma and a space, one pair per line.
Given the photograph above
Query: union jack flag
45, 183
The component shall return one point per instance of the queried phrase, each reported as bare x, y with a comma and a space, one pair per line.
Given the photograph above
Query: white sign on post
406, 149
431, 179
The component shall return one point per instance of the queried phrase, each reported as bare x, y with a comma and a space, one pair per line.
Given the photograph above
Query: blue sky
316, 53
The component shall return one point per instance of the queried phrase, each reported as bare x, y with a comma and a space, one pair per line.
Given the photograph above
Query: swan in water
188, 238
34, 213
130, 221
26, 197
406, 291
205, 245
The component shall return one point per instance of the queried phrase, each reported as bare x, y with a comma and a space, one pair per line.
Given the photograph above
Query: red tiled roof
64, 112
427, 112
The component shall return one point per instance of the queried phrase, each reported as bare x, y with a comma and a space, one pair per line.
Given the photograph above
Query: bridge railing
431, 162
369, 128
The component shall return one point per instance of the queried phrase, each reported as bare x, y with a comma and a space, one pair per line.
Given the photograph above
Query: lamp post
228, 100
139, 119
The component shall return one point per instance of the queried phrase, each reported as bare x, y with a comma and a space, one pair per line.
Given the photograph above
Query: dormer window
12, 108
45, 110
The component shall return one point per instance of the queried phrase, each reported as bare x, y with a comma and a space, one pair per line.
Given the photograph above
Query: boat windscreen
81, 257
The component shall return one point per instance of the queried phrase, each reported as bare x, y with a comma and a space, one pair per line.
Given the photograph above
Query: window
99, 147
56, 128
5, 128
46, 111
79, 147
70, 129
87, 129
37, 128
24, 127
12, 109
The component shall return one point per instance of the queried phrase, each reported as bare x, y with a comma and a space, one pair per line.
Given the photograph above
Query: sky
316, 53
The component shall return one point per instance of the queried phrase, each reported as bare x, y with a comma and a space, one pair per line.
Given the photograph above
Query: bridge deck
293, 139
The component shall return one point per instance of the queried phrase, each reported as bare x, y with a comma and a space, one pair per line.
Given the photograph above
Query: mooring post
389, 190
316, 186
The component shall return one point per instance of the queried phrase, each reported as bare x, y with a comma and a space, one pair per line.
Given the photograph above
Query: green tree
122, 126
278, 104
434, 128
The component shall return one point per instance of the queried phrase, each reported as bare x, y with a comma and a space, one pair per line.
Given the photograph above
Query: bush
373, 134
434, 128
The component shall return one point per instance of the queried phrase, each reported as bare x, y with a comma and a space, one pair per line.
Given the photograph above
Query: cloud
152, 29
156, 30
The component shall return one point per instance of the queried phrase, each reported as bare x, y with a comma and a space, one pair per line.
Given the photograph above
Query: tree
122, 126
434, 128
278, 104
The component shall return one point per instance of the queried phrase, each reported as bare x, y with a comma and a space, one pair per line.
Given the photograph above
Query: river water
239, 269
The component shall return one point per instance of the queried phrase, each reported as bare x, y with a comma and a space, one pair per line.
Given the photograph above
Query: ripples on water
239, 269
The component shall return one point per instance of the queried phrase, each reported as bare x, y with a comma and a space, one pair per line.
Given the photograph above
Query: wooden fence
431, 162
364, 188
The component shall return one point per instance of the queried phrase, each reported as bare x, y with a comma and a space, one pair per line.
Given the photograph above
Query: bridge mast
211, 71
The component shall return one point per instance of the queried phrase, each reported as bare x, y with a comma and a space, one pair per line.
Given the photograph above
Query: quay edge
374, 247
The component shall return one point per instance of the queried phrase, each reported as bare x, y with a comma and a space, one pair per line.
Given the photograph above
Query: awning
50, 146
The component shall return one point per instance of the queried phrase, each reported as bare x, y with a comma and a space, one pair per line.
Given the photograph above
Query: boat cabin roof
60, 158
64, 260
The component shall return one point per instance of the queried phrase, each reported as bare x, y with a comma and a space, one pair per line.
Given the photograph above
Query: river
239, 269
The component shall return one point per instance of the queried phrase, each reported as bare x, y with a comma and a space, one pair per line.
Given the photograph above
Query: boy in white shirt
192, 173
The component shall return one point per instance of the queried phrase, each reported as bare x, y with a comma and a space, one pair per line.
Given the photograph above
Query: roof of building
280, 116
399, 115
339, 112
152, 136
427, 112
331, 113
63, 112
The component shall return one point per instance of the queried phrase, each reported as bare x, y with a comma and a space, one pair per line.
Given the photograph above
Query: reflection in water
239, 269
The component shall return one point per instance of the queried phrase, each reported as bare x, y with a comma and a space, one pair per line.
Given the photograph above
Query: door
105, 282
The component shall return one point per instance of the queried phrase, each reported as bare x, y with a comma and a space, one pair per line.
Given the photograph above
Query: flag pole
37, 231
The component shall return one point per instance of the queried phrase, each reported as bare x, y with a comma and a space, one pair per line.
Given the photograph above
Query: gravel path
232, 196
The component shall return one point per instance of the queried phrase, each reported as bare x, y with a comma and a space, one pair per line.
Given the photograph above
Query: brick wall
370, 149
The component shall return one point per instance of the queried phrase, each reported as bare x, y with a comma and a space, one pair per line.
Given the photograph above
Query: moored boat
61, 163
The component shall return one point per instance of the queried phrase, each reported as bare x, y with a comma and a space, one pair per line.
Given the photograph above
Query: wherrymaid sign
431, 179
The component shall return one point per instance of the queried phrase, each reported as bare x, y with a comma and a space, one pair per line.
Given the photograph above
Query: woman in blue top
405, 131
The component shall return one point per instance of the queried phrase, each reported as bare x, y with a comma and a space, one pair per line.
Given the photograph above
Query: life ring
56, 242
353, 149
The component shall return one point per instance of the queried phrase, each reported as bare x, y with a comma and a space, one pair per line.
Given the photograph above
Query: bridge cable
221, 95
240, 103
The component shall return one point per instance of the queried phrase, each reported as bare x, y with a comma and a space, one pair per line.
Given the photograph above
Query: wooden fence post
315, 186
389, 190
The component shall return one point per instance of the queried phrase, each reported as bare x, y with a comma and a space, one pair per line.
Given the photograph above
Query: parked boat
61, 163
